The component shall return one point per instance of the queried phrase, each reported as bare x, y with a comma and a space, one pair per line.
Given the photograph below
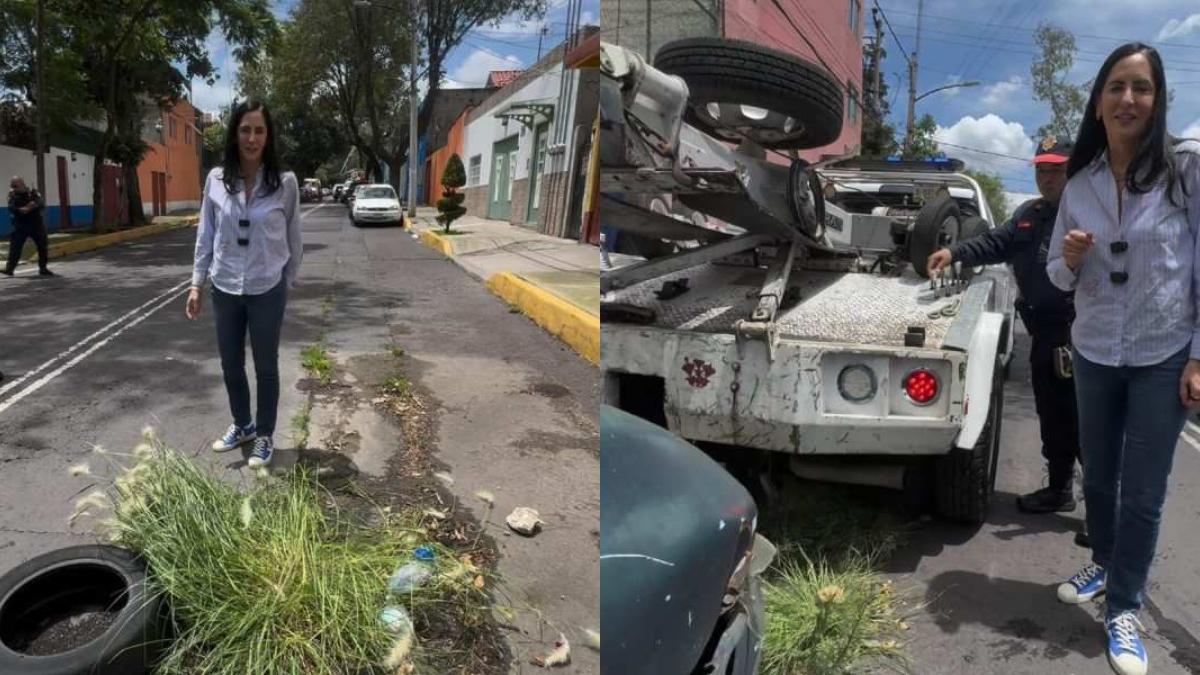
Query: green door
536, 169
504, 156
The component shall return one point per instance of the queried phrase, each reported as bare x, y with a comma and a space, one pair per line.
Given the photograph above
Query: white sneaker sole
255, 462
1068, 594
1128, 666
218, 446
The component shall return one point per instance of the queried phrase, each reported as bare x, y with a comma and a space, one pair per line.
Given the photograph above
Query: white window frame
474, 173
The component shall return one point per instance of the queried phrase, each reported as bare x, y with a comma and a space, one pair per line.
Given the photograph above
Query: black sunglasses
244, 240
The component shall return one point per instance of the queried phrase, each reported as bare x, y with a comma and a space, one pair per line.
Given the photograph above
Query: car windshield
377, 193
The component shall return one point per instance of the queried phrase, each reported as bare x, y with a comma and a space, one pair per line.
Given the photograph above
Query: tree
878, 137
345, 62
923, 146
993, 190
446, 24
214, 137
450, 206
116, 58
1049, 80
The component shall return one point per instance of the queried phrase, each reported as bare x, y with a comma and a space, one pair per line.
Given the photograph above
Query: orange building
436, 165
169, 175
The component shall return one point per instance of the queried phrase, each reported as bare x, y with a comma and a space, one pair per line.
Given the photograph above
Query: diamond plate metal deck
855, 308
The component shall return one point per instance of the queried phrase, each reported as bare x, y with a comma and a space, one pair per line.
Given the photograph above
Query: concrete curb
437, 242
112, 238
573, 325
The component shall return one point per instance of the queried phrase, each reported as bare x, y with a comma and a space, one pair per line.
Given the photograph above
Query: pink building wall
826, 23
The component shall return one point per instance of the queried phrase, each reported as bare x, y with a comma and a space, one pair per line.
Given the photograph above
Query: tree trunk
99, 224
133, 196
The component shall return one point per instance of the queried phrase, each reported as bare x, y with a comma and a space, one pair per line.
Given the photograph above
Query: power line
1108, 38
893, 32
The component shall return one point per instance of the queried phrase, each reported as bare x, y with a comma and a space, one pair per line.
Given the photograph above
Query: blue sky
992, 42
510, 45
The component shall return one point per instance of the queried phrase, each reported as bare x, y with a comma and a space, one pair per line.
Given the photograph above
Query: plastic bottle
411, 575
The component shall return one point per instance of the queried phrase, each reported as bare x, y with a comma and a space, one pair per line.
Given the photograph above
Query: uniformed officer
1047, 313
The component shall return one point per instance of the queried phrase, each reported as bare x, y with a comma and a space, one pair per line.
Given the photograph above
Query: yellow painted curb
573, 325
437, 242
103, 240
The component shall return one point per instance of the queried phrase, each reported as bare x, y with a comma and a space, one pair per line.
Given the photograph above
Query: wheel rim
736, 121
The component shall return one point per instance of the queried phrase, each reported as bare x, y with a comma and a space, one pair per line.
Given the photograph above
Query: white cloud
1174, 28
1193, 131
588, 19
473, 71
1001, 94
991, 134
211, 98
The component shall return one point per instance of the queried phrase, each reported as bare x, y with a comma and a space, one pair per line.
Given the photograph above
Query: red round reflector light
921, 387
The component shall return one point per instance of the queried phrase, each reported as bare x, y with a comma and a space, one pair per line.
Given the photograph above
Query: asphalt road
95, 354
987, 594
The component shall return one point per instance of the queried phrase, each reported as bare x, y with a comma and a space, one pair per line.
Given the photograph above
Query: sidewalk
77, 241
554, 281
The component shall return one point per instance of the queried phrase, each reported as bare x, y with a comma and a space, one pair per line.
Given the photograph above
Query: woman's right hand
1075, 245
193, 303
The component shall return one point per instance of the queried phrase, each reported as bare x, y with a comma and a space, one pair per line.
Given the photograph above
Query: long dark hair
231, 164
1155, 156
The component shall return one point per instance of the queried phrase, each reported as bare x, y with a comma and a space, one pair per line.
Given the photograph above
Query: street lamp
412, 100
908, 133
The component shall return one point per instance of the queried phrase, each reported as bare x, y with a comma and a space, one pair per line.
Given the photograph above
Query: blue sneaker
1126, 654
264, 450
1087, 584
235, 437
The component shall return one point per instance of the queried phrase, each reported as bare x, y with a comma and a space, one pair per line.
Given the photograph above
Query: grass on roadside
397, 385
300, 425
397, 352
828, 608
315, 359
276, 561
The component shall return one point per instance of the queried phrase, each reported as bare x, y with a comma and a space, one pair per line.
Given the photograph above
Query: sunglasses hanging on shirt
1118, 247
243, 232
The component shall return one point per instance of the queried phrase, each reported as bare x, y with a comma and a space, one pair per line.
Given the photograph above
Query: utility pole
412, 113
878, 84
649, 53
541, 35
39, 132
912, 81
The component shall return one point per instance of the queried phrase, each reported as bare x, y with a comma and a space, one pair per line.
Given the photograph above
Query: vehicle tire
52, 587
971, 227
717, 70
939, 224
966, 478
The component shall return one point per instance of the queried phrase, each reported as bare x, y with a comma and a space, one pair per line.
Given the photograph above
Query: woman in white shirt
248, 244
1125, 242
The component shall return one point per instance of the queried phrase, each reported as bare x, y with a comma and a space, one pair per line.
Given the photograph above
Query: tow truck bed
842, 307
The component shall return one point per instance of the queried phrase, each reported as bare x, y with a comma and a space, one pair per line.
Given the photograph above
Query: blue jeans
262, 316
1130, 419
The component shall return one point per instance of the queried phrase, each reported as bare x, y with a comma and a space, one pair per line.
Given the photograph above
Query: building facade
169, 175
833, 27
524, 145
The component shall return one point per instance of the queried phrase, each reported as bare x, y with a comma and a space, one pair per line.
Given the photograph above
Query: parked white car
375, 203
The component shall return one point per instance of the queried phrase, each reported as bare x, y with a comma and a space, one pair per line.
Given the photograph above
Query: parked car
375, 203
311, 190
680, 561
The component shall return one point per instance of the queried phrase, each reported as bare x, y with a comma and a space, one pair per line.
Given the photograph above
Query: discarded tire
82, 610
717, 70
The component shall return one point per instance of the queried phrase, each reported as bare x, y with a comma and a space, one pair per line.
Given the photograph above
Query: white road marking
1191, 438
48, 377
98, 333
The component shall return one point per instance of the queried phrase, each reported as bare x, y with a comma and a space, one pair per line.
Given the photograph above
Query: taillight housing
921, 386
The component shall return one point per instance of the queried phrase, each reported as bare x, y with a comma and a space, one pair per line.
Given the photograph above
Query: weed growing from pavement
300, 425
274, 578
316, 361
397, 386
513, 309
828, 608
397, 352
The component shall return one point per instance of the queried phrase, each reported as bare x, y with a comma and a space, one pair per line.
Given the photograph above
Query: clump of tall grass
269, 579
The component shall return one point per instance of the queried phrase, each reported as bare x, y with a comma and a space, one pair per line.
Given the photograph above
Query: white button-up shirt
1153, 314
274, 249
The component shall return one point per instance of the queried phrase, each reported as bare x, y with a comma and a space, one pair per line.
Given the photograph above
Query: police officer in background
25, 206
1047, 313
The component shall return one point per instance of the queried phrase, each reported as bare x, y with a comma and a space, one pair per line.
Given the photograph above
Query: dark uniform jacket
17, 200
1023, 241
